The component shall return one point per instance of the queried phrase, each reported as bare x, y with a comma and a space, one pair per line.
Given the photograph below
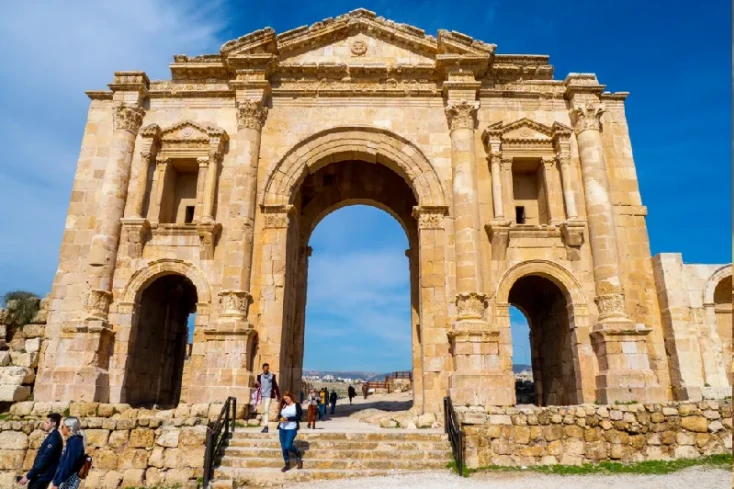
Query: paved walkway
697, 477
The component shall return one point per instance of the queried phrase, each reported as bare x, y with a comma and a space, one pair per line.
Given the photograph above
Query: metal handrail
216, 441
452, 425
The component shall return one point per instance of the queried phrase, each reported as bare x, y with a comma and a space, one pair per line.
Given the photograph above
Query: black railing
216, 440
456, 437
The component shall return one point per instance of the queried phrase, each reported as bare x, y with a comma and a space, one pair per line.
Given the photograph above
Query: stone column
620, 345
508, 188
135, 225
210, 188
564, 161
417, 336
240, 227
494, 160
552, 191
162, 164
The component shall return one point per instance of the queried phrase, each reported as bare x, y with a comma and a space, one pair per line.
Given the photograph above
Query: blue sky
673, 57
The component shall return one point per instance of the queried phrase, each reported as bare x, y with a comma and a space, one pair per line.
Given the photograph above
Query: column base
624, 365
479, 378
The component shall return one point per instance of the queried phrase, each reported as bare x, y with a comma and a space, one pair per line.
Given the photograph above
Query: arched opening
159, 342
351, 300
723, 310
545, 308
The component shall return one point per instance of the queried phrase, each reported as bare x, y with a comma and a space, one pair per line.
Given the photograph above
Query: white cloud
52, 52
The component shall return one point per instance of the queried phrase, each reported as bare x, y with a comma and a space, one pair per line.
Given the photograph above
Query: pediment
527, 129
192, 131
359, 35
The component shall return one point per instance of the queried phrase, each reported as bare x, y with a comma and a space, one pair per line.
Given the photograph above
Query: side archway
159, 268
553, 302
713, 281
716, 336
364, 143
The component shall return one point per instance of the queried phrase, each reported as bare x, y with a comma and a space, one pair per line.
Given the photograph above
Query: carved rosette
251, 114
430, 217
97, 305
462, 115
127, 118
610, 305
588, 117
234, 304
471, 305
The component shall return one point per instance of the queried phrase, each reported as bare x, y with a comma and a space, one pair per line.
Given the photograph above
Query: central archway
330, 170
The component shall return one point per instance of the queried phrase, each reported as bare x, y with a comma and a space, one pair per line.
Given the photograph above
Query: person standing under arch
268, 390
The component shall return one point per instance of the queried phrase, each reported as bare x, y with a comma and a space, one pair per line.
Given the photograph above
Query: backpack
85, 464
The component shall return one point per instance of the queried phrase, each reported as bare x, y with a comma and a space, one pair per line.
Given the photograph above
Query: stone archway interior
158, 342
723, 308
322, 192
544, 306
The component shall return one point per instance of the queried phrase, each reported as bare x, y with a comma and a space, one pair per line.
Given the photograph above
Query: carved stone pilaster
430, 217
572, 233
462, 115
471, 305
588, 117
208, 234
234, 304
135, 235
97, 305
127, 118
251, 114
277, 216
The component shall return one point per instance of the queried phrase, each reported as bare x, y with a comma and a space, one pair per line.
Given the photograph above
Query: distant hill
379, 376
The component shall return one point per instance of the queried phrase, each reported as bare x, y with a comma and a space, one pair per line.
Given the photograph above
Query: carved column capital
564, 159
506, 163
588, 117
548, 161
251, 114
430, 217
462, 115
203, 161
97, 304
471, 305
162, 160
127, 118
234, 304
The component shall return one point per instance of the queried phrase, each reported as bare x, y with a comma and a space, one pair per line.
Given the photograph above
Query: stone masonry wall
573, 435
129, 447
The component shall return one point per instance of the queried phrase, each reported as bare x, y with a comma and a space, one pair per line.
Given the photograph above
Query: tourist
268, 390
66, 474
48, 456
322, 404
313, 407
365, 390
290, 417
352, 393
332, 401
326, 400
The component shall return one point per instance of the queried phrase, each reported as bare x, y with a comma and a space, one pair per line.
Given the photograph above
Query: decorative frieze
462, 115
251, 114
127, 118
277, 216
588, 117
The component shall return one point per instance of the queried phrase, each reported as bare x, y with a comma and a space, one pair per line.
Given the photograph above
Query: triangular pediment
526, 129
192, 131
361, 35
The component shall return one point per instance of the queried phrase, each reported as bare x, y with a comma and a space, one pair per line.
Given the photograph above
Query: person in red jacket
268, 390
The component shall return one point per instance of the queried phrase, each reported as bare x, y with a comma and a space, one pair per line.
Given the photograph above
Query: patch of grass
649, 467
455, 468
67, 412
624, 403
4, 416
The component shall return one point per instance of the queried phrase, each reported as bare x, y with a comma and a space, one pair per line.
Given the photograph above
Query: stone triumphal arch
196, 197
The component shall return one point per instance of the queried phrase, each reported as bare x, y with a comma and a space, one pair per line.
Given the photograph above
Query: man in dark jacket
48, 456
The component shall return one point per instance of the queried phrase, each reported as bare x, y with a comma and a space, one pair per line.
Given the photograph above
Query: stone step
346, 445
266, 477
399, 435
336, 454
395, 463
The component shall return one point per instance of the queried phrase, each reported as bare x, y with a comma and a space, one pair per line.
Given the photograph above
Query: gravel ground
696, 477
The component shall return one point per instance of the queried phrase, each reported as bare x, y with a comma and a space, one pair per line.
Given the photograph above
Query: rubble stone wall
130, 447
573, 435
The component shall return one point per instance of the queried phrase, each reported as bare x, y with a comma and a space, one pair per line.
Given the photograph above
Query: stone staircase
254, 459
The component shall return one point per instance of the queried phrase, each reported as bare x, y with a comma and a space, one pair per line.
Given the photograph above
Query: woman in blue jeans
290, 417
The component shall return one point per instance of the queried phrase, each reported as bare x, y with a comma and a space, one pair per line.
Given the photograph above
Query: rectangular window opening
189, 214
520, 214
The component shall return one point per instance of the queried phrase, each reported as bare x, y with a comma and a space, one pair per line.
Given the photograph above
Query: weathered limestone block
133, 477
118, 438
192, 436
11, 459
153, 476
41, 409
179, 476
33, 345
133, 458
106, 459
695, 423
13, 440
142, 437
169, 437
97, 438
14, 393
23, 359
4, 358
156, 457
112, 479
83, 409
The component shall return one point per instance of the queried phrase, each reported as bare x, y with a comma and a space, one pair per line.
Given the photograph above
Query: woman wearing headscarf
66, 474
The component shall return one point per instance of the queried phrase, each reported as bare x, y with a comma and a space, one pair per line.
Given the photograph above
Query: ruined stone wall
129, 447
589, 433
